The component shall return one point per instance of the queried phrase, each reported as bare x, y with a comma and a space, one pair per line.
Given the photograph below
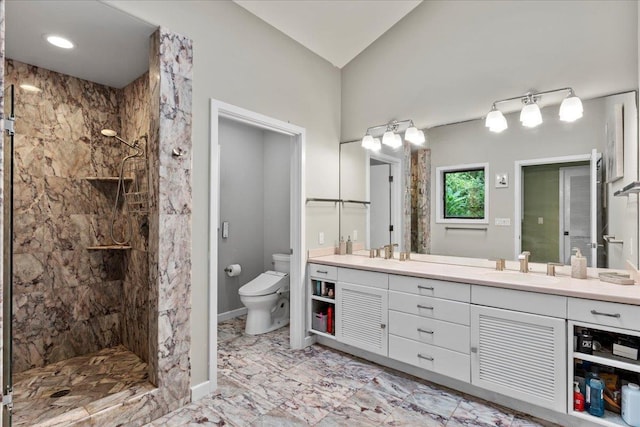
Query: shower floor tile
88, 379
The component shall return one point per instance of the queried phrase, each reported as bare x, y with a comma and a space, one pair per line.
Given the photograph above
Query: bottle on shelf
596, 390
578, 398
342, 247
330, 320
592, 375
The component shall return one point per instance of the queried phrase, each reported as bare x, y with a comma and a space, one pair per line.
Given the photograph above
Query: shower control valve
178, 152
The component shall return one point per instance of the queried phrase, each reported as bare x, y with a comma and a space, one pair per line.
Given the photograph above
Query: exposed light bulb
495, 121
571, 108
530, 115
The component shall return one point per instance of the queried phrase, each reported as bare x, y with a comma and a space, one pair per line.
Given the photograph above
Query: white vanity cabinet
362, 310
518, 354
429, 325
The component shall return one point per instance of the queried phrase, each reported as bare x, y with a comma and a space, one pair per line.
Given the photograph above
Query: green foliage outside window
464, 194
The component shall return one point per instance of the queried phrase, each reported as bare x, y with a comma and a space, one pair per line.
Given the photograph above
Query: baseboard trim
231, 314
201, 390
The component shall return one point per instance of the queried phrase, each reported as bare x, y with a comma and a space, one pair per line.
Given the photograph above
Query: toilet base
261, 320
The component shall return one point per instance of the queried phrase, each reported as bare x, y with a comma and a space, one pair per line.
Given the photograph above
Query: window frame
440, 173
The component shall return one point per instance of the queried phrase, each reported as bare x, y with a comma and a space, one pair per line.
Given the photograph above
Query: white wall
623, 211
447, 61
471, 142
241, 60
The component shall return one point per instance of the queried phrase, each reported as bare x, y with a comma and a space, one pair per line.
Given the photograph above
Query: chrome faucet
524, 261
388, 250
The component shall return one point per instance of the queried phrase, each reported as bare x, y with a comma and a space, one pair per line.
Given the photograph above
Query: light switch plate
355, 234
321, 238
540, 220
503, 222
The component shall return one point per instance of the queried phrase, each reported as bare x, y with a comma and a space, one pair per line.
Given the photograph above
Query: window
462, 194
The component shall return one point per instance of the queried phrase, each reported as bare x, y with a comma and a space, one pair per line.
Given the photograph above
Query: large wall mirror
545, 190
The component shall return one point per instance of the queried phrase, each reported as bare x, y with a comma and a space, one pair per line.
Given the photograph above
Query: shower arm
127, 143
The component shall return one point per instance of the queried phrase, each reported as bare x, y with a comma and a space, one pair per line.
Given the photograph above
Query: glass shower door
7, 350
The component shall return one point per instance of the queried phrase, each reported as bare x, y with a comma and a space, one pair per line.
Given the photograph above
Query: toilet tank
281, 262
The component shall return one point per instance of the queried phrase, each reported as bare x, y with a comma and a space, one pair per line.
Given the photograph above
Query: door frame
563, 172
519, 194
396, 200
297, 227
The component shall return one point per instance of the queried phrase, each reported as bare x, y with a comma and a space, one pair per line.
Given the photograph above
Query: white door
380, 207
575, 212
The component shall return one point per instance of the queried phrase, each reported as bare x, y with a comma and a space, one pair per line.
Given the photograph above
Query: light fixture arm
533, 95
392, 126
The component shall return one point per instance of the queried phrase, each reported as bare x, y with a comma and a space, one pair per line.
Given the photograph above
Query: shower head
114, 134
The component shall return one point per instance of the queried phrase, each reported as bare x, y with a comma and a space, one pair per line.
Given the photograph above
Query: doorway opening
384, 191
558, 208
222, 112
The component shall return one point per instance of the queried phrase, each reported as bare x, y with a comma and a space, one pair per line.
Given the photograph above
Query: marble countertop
484, 274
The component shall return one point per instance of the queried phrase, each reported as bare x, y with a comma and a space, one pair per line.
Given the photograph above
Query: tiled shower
68, 300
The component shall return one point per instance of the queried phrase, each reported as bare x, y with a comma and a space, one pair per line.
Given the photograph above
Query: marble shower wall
67, 299
135, 117
421, 201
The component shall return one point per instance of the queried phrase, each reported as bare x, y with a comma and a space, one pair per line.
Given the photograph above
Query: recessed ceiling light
30, 88
60, 42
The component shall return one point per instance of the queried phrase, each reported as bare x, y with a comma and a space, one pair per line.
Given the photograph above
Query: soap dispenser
342, 248
349, 245
578, 265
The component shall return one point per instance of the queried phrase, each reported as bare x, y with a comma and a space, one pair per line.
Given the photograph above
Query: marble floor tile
262, 382
475, 413
90, 382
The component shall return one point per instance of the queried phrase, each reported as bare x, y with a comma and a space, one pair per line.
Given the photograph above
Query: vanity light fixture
530, 116
391, 135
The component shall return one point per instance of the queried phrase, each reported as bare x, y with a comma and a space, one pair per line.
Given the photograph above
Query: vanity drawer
436, 359
605, 313
430, 331
434, 308
365, 278
323, 271
431, 287
527, 302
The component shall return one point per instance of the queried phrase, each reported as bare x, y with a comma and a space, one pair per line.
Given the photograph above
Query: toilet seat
266, 283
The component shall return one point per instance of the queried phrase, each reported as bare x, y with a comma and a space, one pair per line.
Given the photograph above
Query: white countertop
511, 278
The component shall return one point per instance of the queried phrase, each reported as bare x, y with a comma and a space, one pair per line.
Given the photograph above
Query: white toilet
267, 298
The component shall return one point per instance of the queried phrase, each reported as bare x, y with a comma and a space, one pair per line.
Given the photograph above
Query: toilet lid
265, 284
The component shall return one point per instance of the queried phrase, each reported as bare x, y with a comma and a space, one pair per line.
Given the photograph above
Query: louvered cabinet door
520, 355
361, 317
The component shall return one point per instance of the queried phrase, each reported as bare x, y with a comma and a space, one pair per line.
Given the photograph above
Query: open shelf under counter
323, 299
108, 248
323, 334
610, 418
609, 359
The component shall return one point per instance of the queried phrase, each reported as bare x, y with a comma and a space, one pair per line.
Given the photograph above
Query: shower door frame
298, 338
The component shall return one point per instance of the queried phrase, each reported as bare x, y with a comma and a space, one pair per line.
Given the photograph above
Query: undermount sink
524, 278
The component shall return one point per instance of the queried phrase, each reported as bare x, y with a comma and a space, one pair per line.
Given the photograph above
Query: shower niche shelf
108, 248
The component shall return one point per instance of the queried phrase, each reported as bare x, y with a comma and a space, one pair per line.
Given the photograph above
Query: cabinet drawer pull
429, 358
425, 307
597, 313
425, 331
322, 272
428, 288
